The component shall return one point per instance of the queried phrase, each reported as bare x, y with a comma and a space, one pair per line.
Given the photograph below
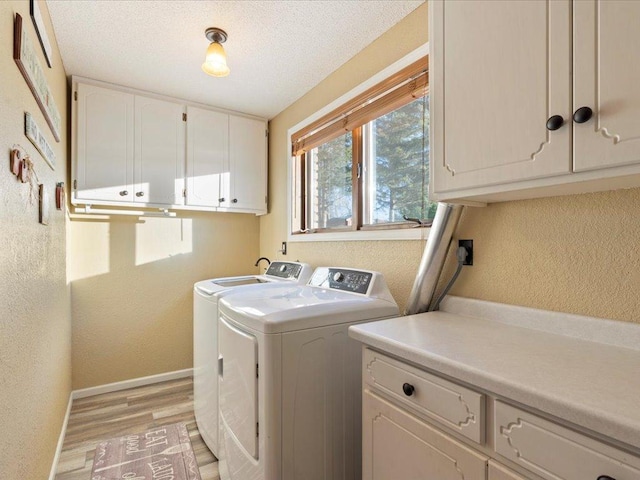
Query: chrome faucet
262, 258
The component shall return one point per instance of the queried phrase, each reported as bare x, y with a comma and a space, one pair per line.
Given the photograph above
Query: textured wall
132, 281
35, 324
575, 254
397, 260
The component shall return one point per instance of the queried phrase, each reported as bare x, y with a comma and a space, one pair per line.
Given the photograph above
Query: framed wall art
29, 65
38, 22
43, 216
33, 133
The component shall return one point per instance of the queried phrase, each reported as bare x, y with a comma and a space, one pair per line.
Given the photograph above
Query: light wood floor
111, 415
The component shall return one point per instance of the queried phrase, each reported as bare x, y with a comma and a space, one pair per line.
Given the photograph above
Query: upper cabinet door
607, 81
207, 156
248, 161
159, 151
104, 155
498, 71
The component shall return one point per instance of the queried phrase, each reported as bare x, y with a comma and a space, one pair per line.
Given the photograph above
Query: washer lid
217, 285
286, 308
294, 272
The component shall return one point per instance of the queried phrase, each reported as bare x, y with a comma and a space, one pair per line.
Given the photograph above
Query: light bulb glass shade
215, 62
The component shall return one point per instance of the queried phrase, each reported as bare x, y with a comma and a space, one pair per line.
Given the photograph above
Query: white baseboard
132, 383
63, 431
110, 387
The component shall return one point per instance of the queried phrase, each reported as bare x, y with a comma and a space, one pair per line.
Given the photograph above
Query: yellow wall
132, 281
397, 260
576, 254
573, 254
35, 321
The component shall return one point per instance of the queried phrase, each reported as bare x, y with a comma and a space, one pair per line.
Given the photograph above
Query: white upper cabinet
247, 184
607, 80
159, 151
498, 71
133, 149
207, 156
226, 161
104, 145
508, 81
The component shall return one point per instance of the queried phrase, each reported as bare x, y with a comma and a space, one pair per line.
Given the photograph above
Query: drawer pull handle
605, 477
408, 390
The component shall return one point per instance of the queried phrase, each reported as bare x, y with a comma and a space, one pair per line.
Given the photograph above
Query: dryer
205, 336
290, 377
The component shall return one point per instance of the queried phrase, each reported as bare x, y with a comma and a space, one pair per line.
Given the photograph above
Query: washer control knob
338, 277
283, 268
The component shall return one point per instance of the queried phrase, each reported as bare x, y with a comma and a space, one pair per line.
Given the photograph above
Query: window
365, 165
330, 193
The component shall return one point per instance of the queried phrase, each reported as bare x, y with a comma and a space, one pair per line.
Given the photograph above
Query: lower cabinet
553, 451
397, 445
499, 472
411, 431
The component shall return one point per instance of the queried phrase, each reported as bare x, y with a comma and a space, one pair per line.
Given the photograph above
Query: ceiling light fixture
215, 62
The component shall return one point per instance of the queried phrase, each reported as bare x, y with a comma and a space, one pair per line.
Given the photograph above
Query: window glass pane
329, 187
397, 165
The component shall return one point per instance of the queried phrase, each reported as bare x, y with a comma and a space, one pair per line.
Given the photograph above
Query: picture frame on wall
43, 216
38, 23
34, 134
29, 65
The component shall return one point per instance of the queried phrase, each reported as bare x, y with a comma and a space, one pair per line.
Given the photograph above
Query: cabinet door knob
124, 193
408, 389
583, 114
221, 199
139, 194
605, 477
235, 200
555, 122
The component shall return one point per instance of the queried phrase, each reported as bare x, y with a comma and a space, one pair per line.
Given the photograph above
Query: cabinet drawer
554, 452
452, 405
398, 445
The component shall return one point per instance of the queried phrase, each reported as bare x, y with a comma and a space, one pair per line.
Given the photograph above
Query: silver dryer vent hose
444, 225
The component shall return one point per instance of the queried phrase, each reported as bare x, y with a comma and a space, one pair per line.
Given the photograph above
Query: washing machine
205, 336
290, 376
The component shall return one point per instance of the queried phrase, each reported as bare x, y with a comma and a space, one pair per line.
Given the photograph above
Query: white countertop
549, 361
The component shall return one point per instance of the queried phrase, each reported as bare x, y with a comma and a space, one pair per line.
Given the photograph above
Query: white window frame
352, 235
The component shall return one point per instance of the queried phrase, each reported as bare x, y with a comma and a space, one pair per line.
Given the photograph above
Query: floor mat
162, 453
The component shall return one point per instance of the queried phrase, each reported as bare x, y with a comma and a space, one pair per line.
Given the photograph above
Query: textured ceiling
277, 50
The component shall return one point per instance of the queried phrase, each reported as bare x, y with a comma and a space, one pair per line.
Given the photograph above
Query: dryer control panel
284, 269
356, 281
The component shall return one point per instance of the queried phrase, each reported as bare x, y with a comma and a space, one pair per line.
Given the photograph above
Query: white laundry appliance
205, 336
290, 377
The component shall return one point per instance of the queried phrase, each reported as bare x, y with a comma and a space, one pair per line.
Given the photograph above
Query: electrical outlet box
468, 244
284, 248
